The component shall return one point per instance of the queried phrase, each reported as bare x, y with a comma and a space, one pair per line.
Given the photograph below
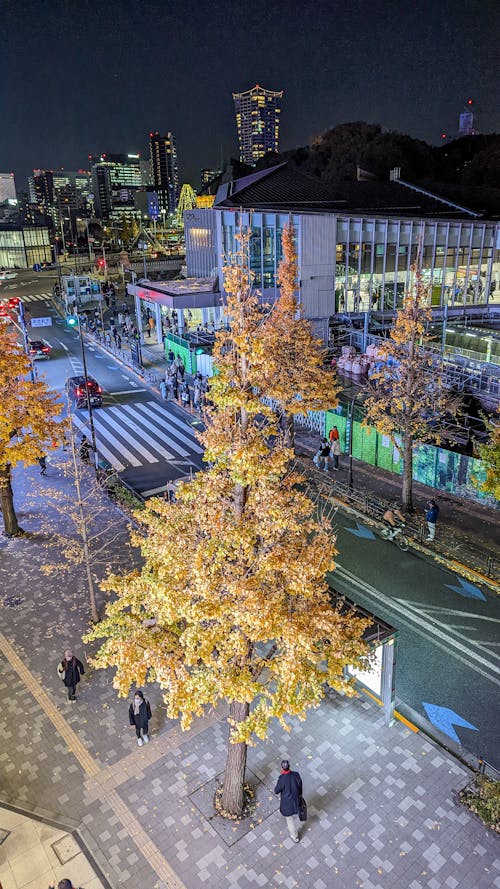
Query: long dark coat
73, 668
142, 718
290, 787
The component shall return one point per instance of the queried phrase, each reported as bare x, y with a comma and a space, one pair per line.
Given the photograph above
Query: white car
4, 276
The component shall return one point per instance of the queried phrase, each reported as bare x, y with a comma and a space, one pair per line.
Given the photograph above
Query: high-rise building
164, 171
207, 176
7, 187
115, 178
41, 187
258, 122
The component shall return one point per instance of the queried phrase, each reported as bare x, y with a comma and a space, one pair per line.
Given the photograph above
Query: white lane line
63, 345
439, 610
171, 419
124, 377
102, 449
423, 627
165, 434
138, 423
108, 418
447, 627
126, 391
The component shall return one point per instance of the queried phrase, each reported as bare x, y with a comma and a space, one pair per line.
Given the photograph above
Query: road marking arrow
466, 589
444, 719
361, 531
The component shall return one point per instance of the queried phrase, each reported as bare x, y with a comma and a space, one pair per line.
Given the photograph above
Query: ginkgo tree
490, 456
407, 396
231, 603
292, 361
29, 421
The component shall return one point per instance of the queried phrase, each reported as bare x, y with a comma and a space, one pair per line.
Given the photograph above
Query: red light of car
45, 349
99, 390
79, 392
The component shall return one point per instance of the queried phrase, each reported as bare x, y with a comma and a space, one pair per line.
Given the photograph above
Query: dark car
39, 349
14, 302
76, 388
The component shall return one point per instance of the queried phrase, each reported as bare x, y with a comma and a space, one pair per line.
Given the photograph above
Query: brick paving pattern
382, 810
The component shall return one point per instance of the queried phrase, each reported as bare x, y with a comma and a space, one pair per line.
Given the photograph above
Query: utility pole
94, 614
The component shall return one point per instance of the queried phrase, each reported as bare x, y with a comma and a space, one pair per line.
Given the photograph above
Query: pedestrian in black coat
289, 786
139, 714
70, 669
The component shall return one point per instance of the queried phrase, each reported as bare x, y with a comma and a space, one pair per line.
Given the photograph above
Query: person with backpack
289, 787
69, 670
139, 714
185, 396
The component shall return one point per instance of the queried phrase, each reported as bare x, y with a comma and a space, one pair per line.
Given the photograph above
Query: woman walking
139, 714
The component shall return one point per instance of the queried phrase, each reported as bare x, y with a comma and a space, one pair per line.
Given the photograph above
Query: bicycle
396, 535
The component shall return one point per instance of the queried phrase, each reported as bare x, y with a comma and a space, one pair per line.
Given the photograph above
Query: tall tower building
258, 122
164, 171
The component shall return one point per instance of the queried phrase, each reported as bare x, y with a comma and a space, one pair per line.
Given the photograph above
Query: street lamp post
87, 393
83, 530
350, 482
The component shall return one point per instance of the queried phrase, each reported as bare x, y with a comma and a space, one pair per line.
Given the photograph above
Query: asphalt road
149, 442
448, 644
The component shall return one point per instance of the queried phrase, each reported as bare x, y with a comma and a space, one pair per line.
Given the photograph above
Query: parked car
4, 276
76, 389
39, 349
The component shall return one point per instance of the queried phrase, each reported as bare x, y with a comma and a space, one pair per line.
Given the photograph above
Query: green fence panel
424, 464
332, 418
180, 348
384, 452
369, 445
357, 440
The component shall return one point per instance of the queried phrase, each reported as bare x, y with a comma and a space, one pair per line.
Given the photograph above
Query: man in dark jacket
70, 669
290, 787
431, 517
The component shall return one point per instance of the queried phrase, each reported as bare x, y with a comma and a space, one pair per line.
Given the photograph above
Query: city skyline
333, 68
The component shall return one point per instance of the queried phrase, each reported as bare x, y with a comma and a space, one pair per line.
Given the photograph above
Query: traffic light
71, 320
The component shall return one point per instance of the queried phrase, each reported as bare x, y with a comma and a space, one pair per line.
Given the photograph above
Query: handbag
302, 809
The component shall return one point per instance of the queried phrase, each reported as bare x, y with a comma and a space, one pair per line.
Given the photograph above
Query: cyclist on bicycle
394, 517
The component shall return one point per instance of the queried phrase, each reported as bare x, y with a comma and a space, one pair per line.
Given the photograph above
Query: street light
75, 322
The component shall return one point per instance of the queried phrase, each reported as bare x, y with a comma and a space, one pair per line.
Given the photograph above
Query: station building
356, 244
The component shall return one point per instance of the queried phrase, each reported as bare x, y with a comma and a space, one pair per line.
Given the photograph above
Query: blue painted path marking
361, 531
444, 719
466, 589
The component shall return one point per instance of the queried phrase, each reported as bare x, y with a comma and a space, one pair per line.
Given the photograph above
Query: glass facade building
23, 246
356, 263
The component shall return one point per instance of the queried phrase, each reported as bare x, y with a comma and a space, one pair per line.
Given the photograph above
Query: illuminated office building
164, 171
258, 122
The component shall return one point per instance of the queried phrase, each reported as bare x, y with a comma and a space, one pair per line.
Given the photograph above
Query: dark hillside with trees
336, 154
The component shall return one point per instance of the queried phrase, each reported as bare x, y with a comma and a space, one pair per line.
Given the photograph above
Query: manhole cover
12, 601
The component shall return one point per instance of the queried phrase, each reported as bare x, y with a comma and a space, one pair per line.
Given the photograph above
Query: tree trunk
287, 427
234, 773
11, 527
407, 493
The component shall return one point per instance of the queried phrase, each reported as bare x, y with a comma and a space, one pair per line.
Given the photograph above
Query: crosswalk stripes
36, 297
140, 434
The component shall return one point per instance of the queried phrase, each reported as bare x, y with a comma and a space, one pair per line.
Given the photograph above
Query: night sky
84, 77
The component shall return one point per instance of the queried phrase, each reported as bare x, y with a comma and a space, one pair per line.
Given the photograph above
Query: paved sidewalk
382, 807
34, 855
